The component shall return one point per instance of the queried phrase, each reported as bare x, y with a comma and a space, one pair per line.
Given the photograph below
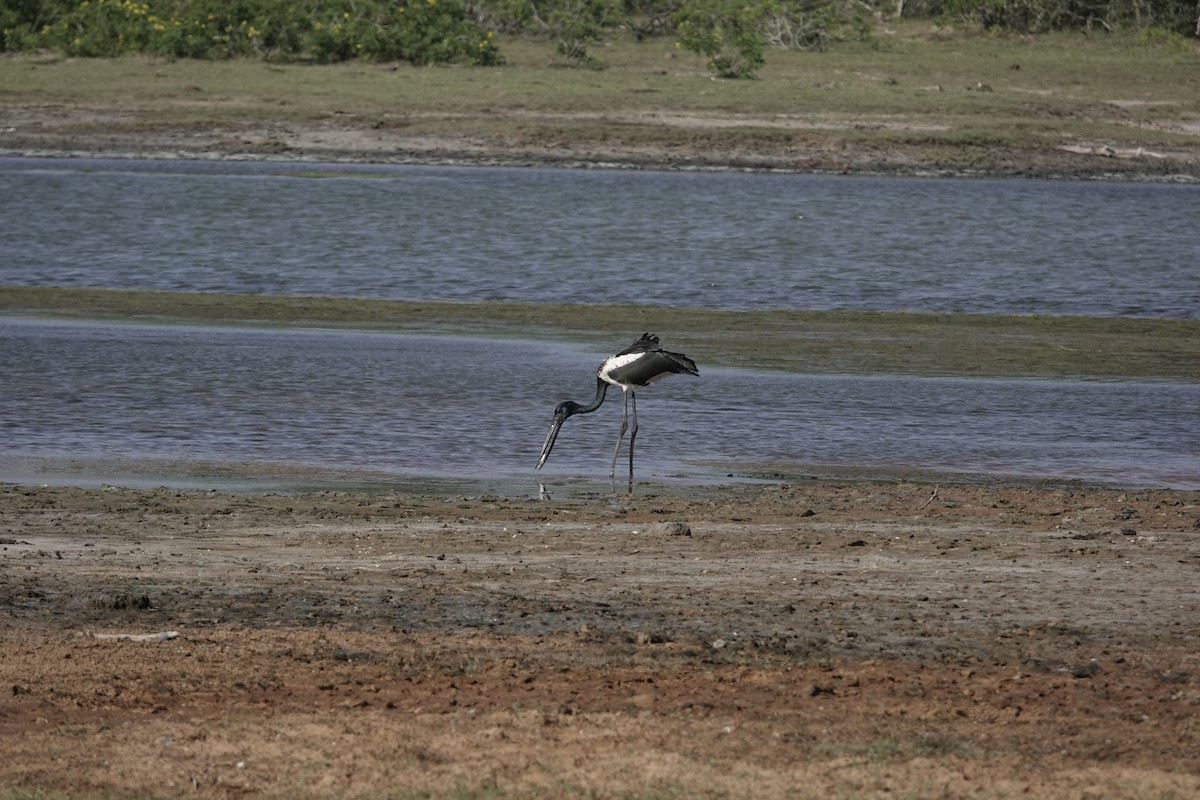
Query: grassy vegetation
800, 341
959, 96
882, 76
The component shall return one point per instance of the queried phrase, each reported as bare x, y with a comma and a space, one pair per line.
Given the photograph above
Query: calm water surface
681, 239
322, 404
97, 399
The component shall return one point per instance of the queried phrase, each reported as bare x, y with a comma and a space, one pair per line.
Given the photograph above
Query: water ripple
331, 402
730, 241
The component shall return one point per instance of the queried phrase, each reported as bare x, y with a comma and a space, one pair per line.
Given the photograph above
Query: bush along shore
732, 35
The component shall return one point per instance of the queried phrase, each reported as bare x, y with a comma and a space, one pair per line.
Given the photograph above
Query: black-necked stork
638, 365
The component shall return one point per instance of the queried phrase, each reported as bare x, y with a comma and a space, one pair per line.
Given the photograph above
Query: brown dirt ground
861, 640
77, 130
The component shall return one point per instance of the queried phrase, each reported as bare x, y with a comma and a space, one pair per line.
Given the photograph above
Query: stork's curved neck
601, 388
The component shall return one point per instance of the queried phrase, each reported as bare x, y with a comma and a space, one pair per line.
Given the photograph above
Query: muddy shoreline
896, 162
76, 131
865, 639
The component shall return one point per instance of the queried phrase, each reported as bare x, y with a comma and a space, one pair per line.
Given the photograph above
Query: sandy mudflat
825, 640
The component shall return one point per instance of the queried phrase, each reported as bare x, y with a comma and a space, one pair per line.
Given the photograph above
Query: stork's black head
566, 408
561, 412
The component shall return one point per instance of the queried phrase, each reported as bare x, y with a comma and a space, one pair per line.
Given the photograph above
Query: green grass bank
917, 98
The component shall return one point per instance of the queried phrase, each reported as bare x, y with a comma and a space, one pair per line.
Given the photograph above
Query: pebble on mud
674, 528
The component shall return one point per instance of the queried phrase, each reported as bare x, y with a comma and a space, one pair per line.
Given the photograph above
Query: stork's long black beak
551, 435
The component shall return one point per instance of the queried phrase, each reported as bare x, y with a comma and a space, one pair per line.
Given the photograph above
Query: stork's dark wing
645, 362
650, 367
645, 344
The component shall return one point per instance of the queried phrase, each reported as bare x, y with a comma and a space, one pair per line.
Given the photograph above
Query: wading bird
638, 365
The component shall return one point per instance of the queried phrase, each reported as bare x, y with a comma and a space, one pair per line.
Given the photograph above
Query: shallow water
272, 406
682, 239
229, 405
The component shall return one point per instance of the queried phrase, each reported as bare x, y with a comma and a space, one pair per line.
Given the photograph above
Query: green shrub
735, 34
1168, 40
420, 31
729, 33
575, 25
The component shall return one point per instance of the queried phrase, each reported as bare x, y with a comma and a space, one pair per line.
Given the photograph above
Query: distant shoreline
917, 101
897, 164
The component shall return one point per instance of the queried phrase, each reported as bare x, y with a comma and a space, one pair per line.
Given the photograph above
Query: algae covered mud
854, 342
